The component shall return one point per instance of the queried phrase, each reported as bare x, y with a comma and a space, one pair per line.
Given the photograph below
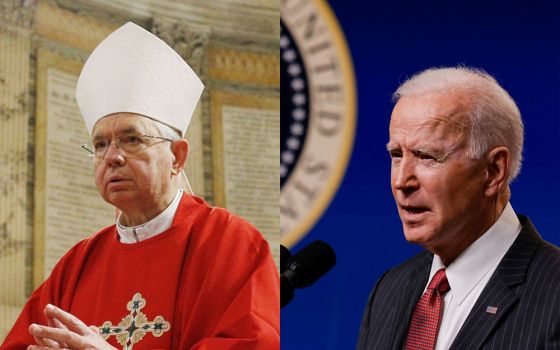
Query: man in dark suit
487, 279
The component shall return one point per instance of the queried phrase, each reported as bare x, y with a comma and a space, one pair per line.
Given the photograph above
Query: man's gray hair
493, 115
166, 131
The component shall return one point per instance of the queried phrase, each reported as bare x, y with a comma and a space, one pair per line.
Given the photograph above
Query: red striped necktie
424, 325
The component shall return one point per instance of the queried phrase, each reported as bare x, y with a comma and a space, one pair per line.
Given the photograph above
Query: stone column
192, 46
16, 156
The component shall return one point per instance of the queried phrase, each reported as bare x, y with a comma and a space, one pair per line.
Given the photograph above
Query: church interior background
48, 200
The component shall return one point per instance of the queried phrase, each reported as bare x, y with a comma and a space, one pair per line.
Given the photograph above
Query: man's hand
65, 331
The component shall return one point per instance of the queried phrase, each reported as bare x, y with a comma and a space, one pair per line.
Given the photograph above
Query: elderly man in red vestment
173, 272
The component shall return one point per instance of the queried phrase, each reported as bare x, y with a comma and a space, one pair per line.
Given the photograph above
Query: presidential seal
318, 113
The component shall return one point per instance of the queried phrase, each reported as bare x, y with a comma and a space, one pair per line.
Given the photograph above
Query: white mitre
134, 71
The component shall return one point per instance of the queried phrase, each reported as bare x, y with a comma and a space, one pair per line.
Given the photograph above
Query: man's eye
99, 145
395, 154
132, 140
425, 156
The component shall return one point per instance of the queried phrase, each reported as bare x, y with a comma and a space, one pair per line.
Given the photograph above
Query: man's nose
113, 156
405, 175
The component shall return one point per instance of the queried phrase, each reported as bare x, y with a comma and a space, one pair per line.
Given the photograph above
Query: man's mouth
115, 179
411, 210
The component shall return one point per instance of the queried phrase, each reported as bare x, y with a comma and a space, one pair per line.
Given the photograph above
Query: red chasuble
208, 282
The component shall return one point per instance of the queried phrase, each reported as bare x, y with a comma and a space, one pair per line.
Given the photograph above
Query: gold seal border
350, 114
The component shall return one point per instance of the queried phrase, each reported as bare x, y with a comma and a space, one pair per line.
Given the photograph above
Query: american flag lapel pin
491, 310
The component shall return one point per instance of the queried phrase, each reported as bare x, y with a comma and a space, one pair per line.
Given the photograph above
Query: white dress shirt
155, 226
469, 273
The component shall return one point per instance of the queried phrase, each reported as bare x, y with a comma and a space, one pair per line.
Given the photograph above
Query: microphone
284, 256
304, 268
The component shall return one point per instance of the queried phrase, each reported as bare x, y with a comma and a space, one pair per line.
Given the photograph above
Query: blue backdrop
518, 42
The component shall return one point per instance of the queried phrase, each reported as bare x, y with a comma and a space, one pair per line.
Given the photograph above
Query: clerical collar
481, 257
155, 226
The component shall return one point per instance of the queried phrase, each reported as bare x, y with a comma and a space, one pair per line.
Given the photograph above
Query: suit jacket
525, 288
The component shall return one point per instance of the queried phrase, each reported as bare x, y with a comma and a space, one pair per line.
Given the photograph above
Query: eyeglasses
128, 145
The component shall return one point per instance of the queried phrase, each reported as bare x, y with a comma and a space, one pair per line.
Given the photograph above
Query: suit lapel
499, 292
410, 293
480, 323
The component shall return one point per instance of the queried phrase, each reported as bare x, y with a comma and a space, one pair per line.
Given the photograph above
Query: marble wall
231, 44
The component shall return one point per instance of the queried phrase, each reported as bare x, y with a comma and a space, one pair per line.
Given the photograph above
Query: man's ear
180, 150
497, 170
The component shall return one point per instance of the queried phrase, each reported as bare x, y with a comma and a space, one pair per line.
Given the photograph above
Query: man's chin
418, 234
119, 198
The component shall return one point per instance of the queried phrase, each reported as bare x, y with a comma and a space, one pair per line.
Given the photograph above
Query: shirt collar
155, 226
481, 257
